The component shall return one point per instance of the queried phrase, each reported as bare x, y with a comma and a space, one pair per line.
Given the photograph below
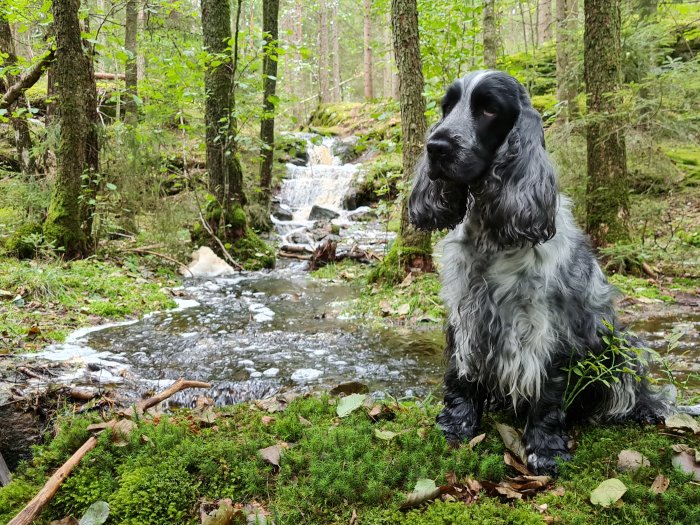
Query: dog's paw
454, 424
545, 464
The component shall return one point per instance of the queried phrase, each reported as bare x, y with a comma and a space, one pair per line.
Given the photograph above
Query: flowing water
254, 334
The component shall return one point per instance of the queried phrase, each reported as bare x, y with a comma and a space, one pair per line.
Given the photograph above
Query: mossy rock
17, 244
252, 252
545, 104
537, 72
687, 160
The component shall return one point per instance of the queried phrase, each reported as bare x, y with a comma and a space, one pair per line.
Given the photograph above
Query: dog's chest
498, 311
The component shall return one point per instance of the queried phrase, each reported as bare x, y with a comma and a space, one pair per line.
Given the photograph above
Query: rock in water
205, 263
319, 212
281, 212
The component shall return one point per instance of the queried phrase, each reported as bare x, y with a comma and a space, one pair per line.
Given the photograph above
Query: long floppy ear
524, 206
435, 204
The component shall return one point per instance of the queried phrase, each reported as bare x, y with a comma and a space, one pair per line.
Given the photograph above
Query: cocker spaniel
527, 300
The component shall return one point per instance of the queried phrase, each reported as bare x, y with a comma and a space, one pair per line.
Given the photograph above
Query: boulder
319, 212
363, 213
281, 212
205, 263
345, 149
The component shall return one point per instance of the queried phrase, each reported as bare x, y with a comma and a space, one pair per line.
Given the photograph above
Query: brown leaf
205, 417
69, 520
273, 453
683, 422
498, 489
660, 484
451, 478
33, 333
631, 461
682, 447
351, 387
476, 440
509, 460
267, 420
473, 485
304, 422
686, 462
513, 441
557, 491
121, 432
425, 490
101, 426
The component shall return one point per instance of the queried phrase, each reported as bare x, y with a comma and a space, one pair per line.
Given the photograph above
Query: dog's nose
438, 148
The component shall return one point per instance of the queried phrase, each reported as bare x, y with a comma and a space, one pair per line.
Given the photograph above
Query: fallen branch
109, 76
5, 475
34, 507
296, 256
180, 384
27, 80
208, 229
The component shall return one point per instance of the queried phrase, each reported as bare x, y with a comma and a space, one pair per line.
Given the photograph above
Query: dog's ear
525, 206
435, 204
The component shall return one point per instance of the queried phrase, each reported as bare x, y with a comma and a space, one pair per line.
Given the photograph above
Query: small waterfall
324, 182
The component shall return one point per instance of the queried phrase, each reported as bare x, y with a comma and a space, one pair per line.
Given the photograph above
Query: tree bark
223, 166
606, 195
567, 78
387, 86
404, 25
23, 140
544, 20
267, 123
323, 54
27, 80
367, 46
131, 67
490, 35
62, 225
337, 86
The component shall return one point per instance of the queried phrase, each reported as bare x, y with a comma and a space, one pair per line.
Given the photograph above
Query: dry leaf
631, 461
404, 309
273, 453
304, 422
509, 460
121, 432
660, 484
267, 420
351, 387
557, 491
499, 489
69, 520
683, 422
424, 490
686, 462
512, 439
476, 440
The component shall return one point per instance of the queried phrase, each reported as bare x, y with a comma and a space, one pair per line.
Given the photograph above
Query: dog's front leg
464, 405
545, 434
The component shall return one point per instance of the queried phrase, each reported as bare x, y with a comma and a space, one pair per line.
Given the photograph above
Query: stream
254, 334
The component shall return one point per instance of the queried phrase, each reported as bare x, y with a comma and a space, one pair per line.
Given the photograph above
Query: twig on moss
161, 255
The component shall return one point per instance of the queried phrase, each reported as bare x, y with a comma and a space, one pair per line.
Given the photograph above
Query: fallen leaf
608, 492
682, 447
96, 514
557, 491
101, 426
304, 422
224, 515
683, 422
631, 461
407, 281
385, 435
255, 514
509, 460
476, 440
499, 489
378, 412
685, 461
271, 404
69, 520
121, 432
424, 490
267, 420
351, 387
272, 454
541, 508
660, 484
403, 309
348, 404
474, 485
512, 439
205, 417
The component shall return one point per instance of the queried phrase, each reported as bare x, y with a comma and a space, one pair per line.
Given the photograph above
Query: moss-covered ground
332, 468
42, 301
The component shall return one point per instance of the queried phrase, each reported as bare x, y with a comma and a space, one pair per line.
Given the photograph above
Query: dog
527, 300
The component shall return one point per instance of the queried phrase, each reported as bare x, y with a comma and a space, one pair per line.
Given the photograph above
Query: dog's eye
489, 112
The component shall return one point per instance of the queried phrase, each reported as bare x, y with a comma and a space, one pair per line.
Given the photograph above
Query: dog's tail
670, 392
693, 410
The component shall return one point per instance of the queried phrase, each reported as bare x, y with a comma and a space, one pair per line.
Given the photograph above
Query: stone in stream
205, 263
319, 212
281, 212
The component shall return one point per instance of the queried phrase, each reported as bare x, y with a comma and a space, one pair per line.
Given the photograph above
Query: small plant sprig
619, 357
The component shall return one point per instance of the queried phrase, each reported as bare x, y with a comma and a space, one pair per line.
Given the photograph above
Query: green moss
393, 268
545, 104
687, 159
252, 252
19, 243
639, 287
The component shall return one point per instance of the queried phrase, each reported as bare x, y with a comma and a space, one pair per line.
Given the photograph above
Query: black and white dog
525, 294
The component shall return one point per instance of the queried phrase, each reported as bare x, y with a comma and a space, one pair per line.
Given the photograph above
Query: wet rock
346, 149
363, 213
205, 263
281, 212
300, 237
319, 212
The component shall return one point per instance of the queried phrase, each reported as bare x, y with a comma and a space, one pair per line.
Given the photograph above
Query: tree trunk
544, 20
141, 57
490, 35
267, 123
23, 140
387, 87
336, 87
367, 45
223, 166
415, 244
131, 67
567, 79
62, 225
606, 195
324, 94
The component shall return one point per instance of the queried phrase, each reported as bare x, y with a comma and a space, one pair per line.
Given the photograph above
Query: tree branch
26, 81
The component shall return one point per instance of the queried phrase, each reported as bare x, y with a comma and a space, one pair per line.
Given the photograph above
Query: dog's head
488, 148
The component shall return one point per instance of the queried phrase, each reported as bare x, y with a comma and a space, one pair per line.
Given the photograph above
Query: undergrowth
336, 467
